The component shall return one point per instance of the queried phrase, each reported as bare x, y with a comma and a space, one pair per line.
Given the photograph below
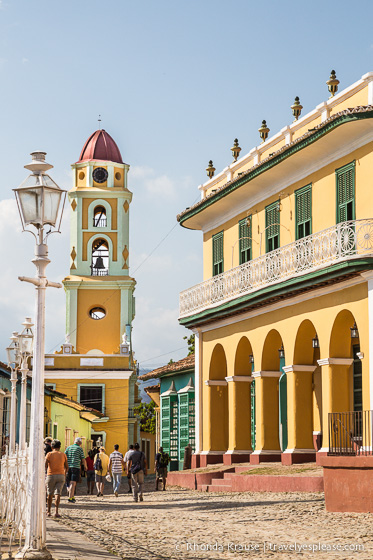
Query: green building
175, 400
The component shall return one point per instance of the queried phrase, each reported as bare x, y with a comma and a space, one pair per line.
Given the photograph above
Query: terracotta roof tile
185, 363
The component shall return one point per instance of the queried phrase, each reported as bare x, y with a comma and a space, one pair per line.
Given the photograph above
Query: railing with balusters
13, 499
319, 250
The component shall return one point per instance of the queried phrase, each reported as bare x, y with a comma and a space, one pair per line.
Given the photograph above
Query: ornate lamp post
13, 362
26, 340
40, 202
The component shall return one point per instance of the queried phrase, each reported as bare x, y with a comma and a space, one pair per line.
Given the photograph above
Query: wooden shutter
183, 423
303, 212
218, 253
345, 182
244, 235
165, 424
272, 227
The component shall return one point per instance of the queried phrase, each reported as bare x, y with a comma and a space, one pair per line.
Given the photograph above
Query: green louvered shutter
244, 235
192, 421
303, 212
165, 424
345, 180
174, 436
272, 227
184, 424
218, 253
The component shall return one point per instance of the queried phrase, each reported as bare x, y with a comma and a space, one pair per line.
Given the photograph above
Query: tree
191, 343
146, 414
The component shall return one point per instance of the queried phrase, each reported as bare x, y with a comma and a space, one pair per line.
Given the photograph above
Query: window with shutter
303, 212
345, 182
184, 424
217, 253
272, 227
165, 424
244, 235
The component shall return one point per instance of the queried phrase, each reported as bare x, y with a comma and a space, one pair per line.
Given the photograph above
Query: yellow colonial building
284, 316
95, 366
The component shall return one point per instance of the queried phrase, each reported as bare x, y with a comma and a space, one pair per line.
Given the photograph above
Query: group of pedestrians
66, 468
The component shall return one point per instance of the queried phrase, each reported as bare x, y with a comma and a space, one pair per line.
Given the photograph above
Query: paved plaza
183, 524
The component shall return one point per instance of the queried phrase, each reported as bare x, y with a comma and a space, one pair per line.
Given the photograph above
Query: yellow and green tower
95, 366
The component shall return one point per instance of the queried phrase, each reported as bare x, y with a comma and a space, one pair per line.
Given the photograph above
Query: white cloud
24, 60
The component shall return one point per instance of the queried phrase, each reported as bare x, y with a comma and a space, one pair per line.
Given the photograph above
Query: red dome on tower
100, 146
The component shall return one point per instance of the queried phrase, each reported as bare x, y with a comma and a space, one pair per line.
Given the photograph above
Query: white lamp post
40, 203
13, 362
26, 340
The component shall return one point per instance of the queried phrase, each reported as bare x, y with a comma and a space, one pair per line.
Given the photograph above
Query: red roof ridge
185, 363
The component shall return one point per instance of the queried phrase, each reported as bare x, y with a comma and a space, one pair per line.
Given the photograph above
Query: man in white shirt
127, 457
116, 464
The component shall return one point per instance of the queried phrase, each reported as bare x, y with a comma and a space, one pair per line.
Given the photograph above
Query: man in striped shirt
115, 467
75, 458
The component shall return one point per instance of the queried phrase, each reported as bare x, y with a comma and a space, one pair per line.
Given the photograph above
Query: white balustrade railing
317, 251
13, 497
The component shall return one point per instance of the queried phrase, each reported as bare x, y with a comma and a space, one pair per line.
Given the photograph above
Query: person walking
126, 459
101, 469
137, 467
47, 445
57, 467
116, 468
75, 457
161, 463
90, 472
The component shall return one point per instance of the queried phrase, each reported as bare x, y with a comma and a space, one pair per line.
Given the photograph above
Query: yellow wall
330, 316
323, 209
116, 406
104, 334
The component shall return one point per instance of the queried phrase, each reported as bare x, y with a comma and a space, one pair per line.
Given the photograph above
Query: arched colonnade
271, 400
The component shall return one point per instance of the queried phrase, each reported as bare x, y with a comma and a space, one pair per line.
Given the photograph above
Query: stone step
219, 488
220, 482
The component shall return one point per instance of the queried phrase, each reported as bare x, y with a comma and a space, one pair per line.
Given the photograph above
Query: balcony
340, 243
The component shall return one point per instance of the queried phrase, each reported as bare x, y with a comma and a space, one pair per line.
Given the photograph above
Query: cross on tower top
99, 121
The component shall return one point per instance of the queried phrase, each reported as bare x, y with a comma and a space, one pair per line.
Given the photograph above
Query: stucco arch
270, 356
91, 242
304, 353
340, 337
218, 363
91, 208
242, 364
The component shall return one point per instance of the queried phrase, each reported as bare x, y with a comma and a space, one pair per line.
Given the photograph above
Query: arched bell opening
99, 217
100, 258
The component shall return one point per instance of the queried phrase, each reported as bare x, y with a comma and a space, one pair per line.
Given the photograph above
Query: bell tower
99, 290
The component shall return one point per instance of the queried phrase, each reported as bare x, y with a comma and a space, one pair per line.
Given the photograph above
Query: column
299, 415
22, 415
239, 419
335, 392
266, 417
369, 277
198, 398
13, 412
215, 423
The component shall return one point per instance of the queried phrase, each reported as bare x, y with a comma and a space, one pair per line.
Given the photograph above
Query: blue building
175, 400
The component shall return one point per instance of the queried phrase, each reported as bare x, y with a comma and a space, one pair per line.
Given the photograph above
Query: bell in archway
99, 263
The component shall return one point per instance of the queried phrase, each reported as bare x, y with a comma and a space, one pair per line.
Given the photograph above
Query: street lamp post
40, 203
13, 362
26, 339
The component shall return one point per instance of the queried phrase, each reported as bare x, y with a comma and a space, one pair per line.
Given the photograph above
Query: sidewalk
65, 544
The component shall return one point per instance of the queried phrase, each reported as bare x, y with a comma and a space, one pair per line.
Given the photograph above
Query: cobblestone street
183, 524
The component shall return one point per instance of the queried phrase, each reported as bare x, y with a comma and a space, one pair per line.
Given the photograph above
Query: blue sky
175, 83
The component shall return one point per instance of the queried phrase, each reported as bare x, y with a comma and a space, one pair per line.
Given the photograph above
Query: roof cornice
324, 128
